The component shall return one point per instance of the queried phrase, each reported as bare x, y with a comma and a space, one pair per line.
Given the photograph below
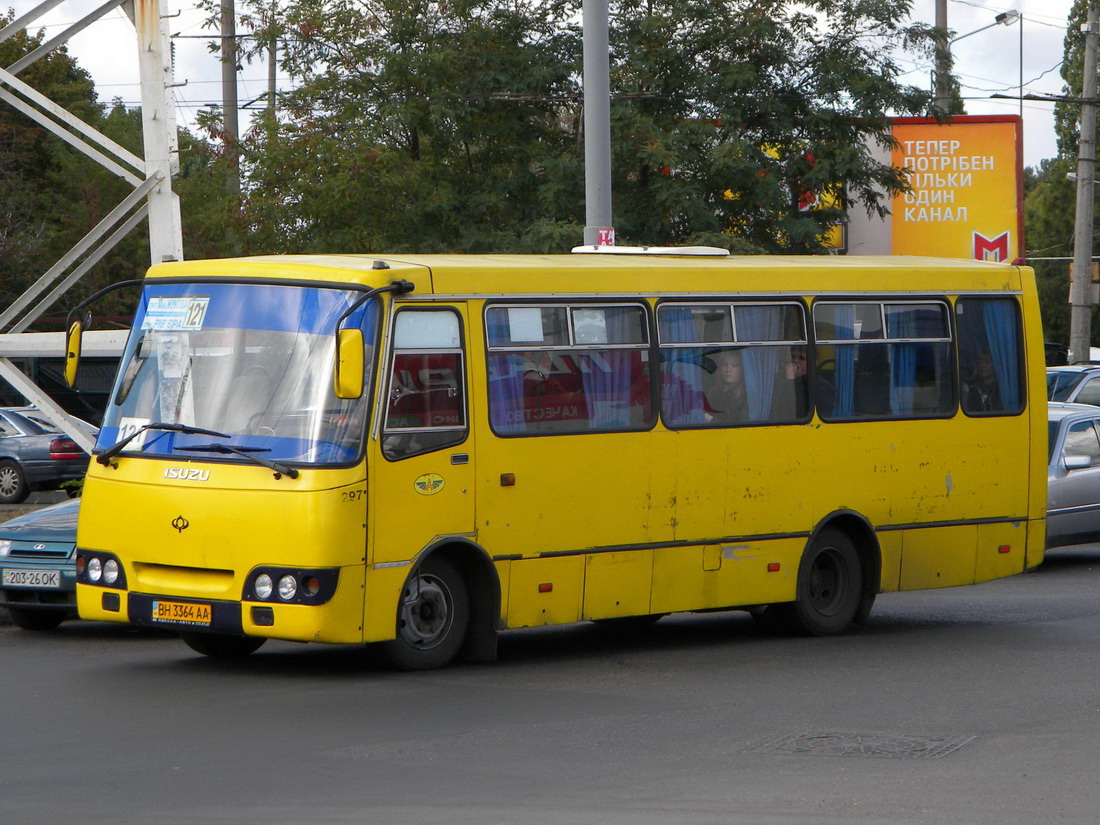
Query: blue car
38, 566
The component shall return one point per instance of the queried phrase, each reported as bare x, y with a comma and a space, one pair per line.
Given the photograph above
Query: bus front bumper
327, 623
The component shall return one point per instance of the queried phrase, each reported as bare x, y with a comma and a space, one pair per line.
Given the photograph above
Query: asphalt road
965, 706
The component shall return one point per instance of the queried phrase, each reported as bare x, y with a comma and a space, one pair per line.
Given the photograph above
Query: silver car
1073, 475
34, 455
1079, 383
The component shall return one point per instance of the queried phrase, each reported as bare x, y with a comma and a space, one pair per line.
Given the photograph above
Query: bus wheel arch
838, 576
483, 587
455, 580
863, 535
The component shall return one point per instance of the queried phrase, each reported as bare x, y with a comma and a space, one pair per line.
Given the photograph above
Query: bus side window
989, 356
727, 364
425, 395
883, 360
561, 368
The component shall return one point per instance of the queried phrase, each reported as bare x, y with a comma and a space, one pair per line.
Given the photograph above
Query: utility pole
943, 57
598, 229
229, 91
272, 54
1080, 324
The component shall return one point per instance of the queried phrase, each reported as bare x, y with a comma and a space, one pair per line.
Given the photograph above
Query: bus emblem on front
180, 523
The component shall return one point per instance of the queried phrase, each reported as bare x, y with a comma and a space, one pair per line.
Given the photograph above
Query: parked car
1079, 383
34, 455
1073, 475
38, 566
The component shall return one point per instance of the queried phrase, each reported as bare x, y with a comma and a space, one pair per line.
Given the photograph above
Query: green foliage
457, 126
35, 187
51, 195
1048, 216
1050, 204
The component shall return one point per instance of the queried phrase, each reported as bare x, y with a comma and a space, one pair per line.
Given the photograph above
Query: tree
33, 219
456, 126
51, 195
1050, 197
735, 110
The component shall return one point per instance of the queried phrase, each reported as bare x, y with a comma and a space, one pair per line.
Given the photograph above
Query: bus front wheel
217, 646
830, 580
432, 617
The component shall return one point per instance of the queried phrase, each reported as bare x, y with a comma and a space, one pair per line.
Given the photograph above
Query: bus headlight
287, 588
110, 571
5, 546
95, 569
263, 586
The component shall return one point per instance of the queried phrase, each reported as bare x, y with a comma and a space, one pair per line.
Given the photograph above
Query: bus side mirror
348, 376
72, 352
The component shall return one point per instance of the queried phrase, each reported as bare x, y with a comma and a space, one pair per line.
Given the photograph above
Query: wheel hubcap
828, 582
9, 481
425, 616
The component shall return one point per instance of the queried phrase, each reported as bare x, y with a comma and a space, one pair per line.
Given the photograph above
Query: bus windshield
251, 363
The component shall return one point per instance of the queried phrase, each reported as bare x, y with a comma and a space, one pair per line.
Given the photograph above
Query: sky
986, 62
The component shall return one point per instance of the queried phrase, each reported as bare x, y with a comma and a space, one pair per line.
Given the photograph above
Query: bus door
423, 462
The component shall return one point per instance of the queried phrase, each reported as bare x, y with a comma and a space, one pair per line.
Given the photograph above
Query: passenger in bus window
727, 401
789, 397
982, 393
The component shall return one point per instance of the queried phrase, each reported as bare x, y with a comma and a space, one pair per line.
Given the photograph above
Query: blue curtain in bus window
1000, 331
505, 380
681, 375
903, 369
844, 404
606, 378
506, 405
759, 324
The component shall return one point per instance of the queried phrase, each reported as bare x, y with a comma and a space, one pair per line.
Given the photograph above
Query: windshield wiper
244, 452
105, 457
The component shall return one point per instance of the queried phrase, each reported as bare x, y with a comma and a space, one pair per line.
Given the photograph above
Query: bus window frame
731, 302
945, 300
650, 346
461, 350
1021, 352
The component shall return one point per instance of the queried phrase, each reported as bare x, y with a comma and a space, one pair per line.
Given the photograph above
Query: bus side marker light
507, 479
773, 567
1004, 548
546, 587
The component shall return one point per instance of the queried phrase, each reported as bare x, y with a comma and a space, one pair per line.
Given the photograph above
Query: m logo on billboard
995, 249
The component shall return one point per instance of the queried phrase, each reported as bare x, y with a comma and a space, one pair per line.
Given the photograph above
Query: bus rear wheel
830, 580
432, 617
218, 646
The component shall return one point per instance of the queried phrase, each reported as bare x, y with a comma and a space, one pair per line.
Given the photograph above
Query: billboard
967, 188
966, 197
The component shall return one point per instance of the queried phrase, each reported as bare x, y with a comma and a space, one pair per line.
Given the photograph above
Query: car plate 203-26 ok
181, 613
32, 578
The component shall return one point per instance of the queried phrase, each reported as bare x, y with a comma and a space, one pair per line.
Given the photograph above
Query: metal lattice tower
151, 177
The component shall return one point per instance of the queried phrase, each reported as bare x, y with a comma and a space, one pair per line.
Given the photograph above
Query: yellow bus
421, 451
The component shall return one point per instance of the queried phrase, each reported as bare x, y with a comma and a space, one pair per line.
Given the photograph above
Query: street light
1005, 18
